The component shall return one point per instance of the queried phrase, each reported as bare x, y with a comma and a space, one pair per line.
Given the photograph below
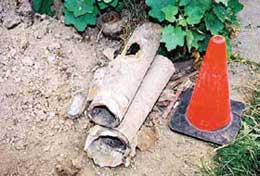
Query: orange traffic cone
207, 113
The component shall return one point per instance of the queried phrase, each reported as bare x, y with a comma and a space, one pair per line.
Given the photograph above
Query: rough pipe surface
112, 147
114, 87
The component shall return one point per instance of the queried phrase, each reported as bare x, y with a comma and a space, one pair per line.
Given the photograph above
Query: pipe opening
113, 143
108, 151
104, 117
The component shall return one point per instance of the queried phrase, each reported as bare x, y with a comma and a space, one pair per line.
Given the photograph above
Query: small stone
25, 9
77, 163
39, 37
51, 59
11, 20
113, 29
147, 137
66, 168
20, 145
111, 24
109, 53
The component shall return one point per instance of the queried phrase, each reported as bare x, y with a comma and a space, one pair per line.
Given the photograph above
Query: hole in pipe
133, 49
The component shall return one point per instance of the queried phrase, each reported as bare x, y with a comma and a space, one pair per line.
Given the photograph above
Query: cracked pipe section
114, 87
113, 147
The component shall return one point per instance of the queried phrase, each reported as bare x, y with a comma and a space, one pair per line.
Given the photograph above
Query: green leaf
120, 6
194, 14
195, 10
189, 39
197, 37
103, 5
213, 24
172, 37
43, 6
107, 1
184, 2
232, 19
225, 2
191, 23
81, 22
229, 47
114, 3
182, 21
170, 11
79, 7
157, 6
204, 43
235, 5
220, 11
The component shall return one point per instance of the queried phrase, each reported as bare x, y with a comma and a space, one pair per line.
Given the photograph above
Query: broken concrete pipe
113, 147
77, 106
114, 87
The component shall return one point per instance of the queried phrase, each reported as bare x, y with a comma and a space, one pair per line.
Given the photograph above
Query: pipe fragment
114, 87
113, 147
77, 107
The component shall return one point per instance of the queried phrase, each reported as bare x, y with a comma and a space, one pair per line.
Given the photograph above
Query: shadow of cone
207, 113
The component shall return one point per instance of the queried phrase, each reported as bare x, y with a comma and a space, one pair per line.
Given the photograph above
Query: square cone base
180, 124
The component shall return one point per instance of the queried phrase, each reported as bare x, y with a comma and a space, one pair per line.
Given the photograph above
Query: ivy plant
187, 24
79, 13
82, 13
190, 23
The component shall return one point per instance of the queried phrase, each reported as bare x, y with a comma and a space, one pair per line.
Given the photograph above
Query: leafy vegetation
82, 13
189, 23
43, 6
242, 158
79, 13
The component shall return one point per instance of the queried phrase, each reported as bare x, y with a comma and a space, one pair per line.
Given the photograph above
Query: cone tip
218, 39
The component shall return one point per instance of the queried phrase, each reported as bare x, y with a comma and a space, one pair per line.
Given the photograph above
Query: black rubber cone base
180, 124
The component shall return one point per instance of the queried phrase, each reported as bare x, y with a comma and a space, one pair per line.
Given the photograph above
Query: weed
238, 58
189, 24
241, 158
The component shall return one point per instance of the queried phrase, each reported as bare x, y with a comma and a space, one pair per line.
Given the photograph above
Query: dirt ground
43, 64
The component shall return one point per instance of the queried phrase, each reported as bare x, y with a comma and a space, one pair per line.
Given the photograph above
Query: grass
242, 157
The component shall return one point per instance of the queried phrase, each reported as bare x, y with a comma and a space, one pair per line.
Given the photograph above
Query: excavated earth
43, 63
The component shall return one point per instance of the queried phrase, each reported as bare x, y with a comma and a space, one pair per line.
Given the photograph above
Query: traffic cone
207, 112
